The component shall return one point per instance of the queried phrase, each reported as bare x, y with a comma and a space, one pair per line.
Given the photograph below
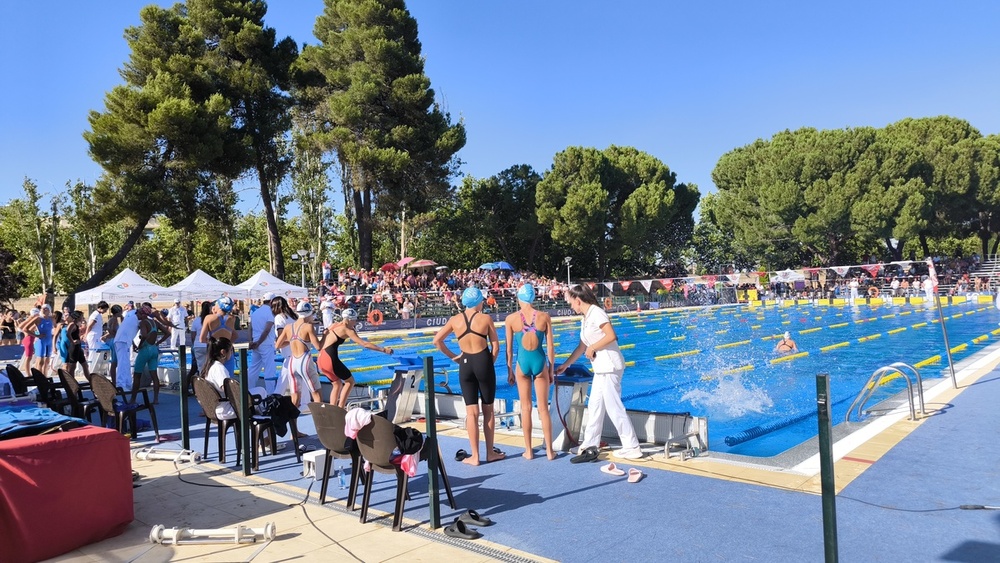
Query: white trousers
262, 365
178, 338
606, 398
123, 377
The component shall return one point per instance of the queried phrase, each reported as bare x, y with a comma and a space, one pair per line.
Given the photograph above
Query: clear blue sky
683, 81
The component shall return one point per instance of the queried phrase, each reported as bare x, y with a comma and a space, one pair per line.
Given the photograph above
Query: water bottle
343, 480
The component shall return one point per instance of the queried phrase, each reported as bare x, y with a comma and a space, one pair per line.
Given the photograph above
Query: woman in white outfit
600, 344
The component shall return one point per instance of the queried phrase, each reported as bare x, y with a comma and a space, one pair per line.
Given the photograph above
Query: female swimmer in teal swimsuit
531, 330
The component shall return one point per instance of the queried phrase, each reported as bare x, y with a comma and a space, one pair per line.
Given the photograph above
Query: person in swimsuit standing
75, 355
479, 347
301, 368
148, 357
329, 360
529, 331
220, 324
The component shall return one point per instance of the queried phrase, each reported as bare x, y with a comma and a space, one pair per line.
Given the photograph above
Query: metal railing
881, 376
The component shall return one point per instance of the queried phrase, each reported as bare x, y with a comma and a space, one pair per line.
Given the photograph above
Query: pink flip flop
612, 469
634, 475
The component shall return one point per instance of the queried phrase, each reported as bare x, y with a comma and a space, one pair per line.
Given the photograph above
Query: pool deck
899, 487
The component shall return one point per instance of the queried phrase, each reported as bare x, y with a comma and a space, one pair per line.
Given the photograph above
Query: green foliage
10, 279
617, 211
366, 99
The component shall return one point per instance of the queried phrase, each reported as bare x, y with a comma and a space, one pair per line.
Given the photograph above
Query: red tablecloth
62, 491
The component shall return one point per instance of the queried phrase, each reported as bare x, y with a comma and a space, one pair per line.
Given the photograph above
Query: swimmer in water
786, 345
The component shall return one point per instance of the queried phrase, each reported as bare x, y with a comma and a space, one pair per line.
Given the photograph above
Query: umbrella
421, 264
441, 268
404, 261
503, 266
488, 266
390, 267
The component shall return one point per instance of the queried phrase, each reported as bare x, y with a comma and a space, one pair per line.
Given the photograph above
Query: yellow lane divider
838, 325
979, 339
747, 367
626, 346
959, 348
927, 362
789, 357
895, 330
808, 330
630, 363
906, 313
995, 331
755, 327
368, 368
918, 325
682, 337
832, 346
652, 331
870, 337
732, 344
563, 355
678, 355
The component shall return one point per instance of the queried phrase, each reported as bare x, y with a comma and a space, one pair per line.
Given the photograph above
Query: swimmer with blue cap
479, 347
529, 331
472, 297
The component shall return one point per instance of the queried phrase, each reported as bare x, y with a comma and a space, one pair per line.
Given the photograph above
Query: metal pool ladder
876, 379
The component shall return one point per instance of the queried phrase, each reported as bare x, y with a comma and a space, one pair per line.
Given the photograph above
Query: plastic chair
330, 422
376, 443
49, 393
82, 407
208, 397
113, 402
18, 383
258, 424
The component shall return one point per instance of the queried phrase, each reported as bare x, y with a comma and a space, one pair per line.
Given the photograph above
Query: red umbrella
404, 261
421, 264
390, 267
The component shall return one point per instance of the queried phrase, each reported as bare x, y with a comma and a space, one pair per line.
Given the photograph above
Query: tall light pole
302, 256
567, 260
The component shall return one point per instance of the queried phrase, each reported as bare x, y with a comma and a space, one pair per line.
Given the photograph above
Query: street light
567, 260
301, 256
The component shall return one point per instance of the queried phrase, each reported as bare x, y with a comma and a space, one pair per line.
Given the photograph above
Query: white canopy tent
263, 282
126, 286
200, 286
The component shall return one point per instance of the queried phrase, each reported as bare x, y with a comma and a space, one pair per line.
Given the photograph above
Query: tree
10, 279
33, 234
365, 97
617, 211
251, 70
165, 133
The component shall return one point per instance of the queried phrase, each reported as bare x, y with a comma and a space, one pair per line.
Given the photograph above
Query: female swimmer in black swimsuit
479, 346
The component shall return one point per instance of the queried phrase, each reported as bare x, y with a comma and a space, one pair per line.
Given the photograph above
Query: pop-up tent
126, 286
263, 282
200, 286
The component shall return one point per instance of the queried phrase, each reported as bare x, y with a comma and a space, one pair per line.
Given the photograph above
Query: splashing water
730, 398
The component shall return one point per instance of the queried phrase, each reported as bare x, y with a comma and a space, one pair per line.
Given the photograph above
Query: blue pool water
732, 381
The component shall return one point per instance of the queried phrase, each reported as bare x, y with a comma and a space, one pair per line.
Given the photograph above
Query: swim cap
472, 297
788, 335
526, 293
225, 304
349, 315
304, 308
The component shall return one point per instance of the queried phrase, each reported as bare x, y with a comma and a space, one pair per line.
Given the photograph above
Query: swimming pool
719, 362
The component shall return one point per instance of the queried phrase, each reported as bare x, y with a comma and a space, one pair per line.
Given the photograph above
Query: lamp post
567, 261
302, 256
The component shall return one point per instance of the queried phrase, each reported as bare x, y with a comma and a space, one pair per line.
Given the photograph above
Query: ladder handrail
869, 389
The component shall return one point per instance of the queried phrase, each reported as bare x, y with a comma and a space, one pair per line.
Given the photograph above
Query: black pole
430, 447
828, 484
184, 380
245, 412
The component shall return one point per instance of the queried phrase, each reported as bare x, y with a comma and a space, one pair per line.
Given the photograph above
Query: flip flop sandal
586, 456
472, 517
461, 454
458, 529
634, 475
612, 469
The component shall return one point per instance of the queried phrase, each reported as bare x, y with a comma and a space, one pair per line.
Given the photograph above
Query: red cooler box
62, 491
